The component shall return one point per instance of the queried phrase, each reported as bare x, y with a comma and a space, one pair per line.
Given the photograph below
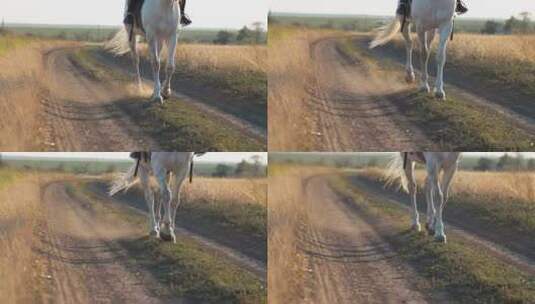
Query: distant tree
491, 27
525, 25
245, 168
373, 162
222, 170
1, 161
483, 164
223, 37
245, 35
328, 25
62, 36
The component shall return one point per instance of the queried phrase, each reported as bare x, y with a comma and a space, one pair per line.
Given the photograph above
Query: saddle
414, 156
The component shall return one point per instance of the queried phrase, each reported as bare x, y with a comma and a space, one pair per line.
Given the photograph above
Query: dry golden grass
497, 186
290, 75
19, 213
238, 190
23, 80
218, 58
287, 265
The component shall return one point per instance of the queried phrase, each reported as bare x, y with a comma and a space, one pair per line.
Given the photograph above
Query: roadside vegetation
460, 269
21, 61
19, 215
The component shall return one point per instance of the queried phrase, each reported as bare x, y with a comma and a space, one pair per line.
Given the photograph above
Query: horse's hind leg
424, 59
135, 60
154, 49
445, 32
154, 226
411, 180
170, 67
408, 47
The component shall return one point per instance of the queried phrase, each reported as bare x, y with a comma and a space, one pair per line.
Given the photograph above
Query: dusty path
88, 260
80, 113
85, 262
354, 110
511, 248
349, 262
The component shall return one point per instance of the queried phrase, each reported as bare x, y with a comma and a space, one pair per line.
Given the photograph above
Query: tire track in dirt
349, 261
353, 109
84, 260
80, 112
504, 247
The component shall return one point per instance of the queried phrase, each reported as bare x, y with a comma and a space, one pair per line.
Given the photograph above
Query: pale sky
231, 157
204, 13
477, 8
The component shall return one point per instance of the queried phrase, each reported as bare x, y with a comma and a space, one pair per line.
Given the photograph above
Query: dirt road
349, 262
87, 259
355, 110
81, 113
85, 262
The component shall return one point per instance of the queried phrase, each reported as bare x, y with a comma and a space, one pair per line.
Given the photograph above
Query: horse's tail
123, 181
395, 174
119, 44
387, 32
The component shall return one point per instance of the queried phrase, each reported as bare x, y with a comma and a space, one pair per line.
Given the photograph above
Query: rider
404, 4
134, 5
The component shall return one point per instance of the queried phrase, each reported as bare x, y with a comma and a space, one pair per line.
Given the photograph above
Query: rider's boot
184, 19
461, 7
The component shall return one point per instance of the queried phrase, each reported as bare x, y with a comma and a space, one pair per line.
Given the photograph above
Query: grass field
94, 33
467, 273
361, 23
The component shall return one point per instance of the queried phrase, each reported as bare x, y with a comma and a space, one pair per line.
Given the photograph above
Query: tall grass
19, 213
23, 80
241, 203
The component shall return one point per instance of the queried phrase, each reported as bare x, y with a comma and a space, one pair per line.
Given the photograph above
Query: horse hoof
440, 239
157, 99
440, 95
430, 231
168, 237
166, 94
409, 78
425, 89
155, 234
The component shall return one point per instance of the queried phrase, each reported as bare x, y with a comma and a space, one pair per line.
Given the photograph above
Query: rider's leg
129, 17
184, 19
461, 7
403, 7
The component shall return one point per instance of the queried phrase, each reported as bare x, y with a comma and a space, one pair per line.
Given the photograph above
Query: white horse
160, 20
402, 168
170, 170
427, 17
